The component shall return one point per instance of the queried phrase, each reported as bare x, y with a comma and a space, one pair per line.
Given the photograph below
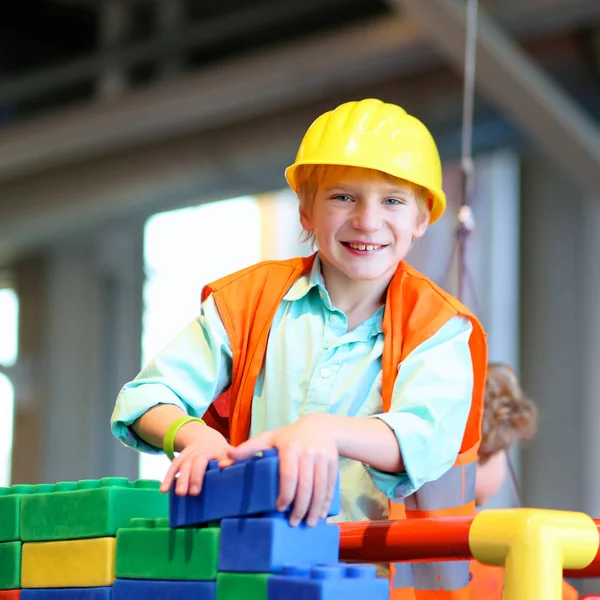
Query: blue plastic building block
265, 545
328, 582
93, 593
246, 488
142, 589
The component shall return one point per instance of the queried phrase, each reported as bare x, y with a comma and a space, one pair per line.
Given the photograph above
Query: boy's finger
304, 490
319, 492
167, 482
197, 472
165, 485
332, 467
288, 478
250, 447
183, 481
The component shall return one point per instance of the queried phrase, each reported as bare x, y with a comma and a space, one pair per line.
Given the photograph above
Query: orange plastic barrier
425, 539
443, 538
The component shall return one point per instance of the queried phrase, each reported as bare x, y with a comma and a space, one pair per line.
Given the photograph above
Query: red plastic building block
10, 594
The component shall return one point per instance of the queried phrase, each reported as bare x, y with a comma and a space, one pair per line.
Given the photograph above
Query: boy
346, 360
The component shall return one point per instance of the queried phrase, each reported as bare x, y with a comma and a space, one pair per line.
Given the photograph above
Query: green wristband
169, 439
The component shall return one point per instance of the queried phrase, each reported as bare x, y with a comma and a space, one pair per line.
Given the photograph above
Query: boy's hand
308, 465
192, 462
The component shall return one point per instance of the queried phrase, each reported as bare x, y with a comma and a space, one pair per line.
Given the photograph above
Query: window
9, 327
185, 249
6, 428
9, 320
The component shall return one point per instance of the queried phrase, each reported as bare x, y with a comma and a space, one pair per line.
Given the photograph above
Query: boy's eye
394, 201
342, 197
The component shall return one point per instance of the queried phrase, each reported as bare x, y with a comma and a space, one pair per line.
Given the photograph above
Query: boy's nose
366, 218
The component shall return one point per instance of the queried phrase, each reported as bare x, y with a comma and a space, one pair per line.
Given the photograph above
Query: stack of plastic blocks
260, 556
58, 541
111, 540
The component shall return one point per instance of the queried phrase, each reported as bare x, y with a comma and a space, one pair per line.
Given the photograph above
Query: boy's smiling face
364, 222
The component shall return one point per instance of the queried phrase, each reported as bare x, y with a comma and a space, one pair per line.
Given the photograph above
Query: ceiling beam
187, 170
516, 85
531, 17
537, 17
242, 88
256, 17
228, 93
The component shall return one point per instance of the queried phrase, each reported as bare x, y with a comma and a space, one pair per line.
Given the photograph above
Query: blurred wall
82, 302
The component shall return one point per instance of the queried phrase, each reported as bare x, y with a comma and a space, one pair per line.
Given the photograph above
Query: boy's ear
305, 217
422, 225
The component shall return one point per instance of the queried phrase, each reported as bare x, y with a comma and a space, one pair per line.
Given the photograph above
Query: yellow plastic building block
534, 545
75, 563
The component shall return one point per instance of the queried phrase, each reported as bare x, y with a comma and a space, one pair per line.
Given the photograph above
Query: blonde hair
309, 177
507, 414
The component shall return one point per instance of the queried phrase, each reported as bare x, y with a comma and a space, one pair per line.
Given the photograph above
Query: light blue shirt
314, 364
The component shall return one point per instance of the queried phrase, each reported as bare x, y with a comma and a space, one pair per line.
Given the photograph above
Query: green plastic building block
10, 565
249, 586
10, 511
88, 508
150, 549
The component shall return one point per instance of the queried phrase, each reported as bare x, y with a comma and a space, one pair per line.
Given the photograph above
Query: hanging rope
466, 219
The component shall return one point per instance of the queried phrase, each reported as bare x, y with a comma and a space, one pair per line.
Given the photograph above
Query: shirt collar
305, 283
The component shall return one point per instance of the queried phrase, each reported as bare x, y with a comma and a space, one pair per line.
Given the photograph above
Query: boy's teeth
363, 246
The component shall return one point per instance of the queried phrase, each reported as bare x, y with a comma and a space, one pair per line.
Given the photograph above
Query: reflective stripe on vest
415, 310
453, 490
456, 488
402, 575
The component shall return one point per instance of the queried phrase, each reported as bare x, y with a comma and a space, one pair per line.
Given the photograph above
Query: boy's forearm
154, 424
369, 441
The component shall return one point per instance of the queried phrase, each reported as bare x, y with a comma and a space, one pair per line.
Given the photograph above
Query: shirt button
333, 318
324, 373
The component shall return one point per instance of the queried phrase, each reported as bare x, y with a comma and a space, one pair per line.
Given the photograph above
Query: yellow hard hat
374, 135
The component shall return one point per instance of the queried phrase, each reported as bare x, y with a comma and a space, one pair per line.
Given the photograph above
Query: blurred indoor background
142, 150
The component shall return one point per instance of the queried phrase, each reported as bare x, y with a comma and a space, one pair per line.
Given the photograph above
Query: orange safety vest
415, 309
